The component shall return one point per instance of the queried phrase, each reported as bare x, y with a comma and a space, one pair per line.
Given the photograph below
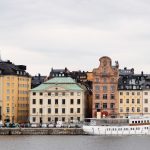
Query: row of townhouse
107, 91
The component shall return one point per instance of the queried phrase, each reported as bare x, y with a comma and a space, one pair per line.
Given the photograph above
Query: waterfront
74, 142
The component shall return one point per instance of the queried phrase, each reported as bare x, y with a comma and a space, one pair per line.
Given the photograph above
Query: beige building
60, 98
130, 103
15, 84
146, 102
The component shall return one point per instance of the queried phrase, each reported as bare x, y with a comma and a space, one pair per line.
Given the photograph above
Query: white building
60, 98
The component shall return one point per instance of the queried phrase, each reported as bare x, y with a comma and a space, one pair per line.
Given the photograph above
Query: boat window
132, 121
144, 121
138, 121
147, 121
135, 121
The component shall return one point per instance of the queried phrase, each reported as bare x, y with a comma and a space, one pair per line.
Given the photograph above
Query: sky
42, 34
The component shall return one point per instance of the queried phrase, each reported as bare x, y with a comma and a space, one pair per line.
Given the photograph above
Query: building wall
11, 97
47, 117
146, 102
105, 83
130, 103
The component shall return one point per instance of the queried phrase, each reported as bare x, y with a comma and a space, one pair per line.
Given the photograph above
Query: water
74, 142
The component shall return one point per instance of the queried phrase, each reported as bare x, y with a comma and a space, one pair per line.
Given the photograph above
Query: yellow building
130, 103
15, 84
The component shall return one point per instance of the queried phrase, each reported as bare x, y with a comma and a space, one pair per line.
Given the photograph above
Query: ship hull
117, 130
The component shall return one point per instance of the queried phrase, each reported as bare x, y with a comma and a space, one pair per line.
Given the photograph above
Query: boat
117, 126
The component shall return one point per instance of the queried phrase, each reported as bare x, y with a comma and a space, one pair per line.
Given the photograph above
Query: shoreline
42, 131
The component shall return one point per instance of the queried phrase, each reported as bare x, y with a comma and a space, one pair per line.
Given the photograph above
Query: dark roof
8, 68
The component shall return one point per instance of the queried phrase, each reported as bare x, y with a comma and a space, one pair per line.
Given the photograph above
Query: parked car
34, 125
51, 125
59, 124
43, 125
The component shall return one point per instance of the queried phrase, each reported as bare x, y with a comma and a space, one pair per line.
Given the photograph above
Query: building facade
130, 103
15, 84
105, 93
57, 99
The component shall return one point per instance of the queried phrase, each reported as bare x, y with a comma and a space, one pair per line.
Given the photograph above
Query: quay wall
41, 131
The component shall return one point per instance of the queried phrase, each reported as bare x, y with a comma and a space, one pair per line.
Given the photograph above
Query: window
138, 109
127, 109
78, 118
127, 93
97, 96
34, 93
112, 105
78, 110
97, 105
49, 93
132, 101
104, 96
138, 93
33, 101
97, 79
145, 109
41, 110
121, 93
56, 101
127, 101
133, 109
104, 80
138, 101
133, 93
63, 101
41, 93
63, 93
78, 101
71, 118
63, 119
33, 119
33, 110
121, 101
49, 110
112, 96
49, 119
97, 88
41, 101
145, 100
145, 93
104, 88
112, 88
121, 109
104, 105
71, 93
63, 110
49, 101
56, 94
71, 101
71, 110
56, 110
7, 109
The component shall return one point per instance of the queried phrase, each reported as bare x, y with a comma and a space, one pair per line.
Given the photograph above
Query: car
43, 125
59, 124
34, 125
51, 125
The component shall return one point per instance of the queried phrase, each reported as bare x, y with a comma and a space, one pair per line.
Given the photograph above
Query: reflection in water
74, 142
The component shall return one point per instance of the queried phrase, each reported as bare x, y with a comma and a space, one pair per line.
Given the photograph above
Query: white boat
117, 126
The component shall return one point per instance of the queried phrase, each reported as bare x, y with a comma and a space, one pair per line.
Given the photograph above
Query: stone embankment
41, 131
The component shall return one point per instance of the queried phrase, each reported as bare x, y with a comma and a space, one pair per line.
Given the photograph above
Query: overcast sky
42, 34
